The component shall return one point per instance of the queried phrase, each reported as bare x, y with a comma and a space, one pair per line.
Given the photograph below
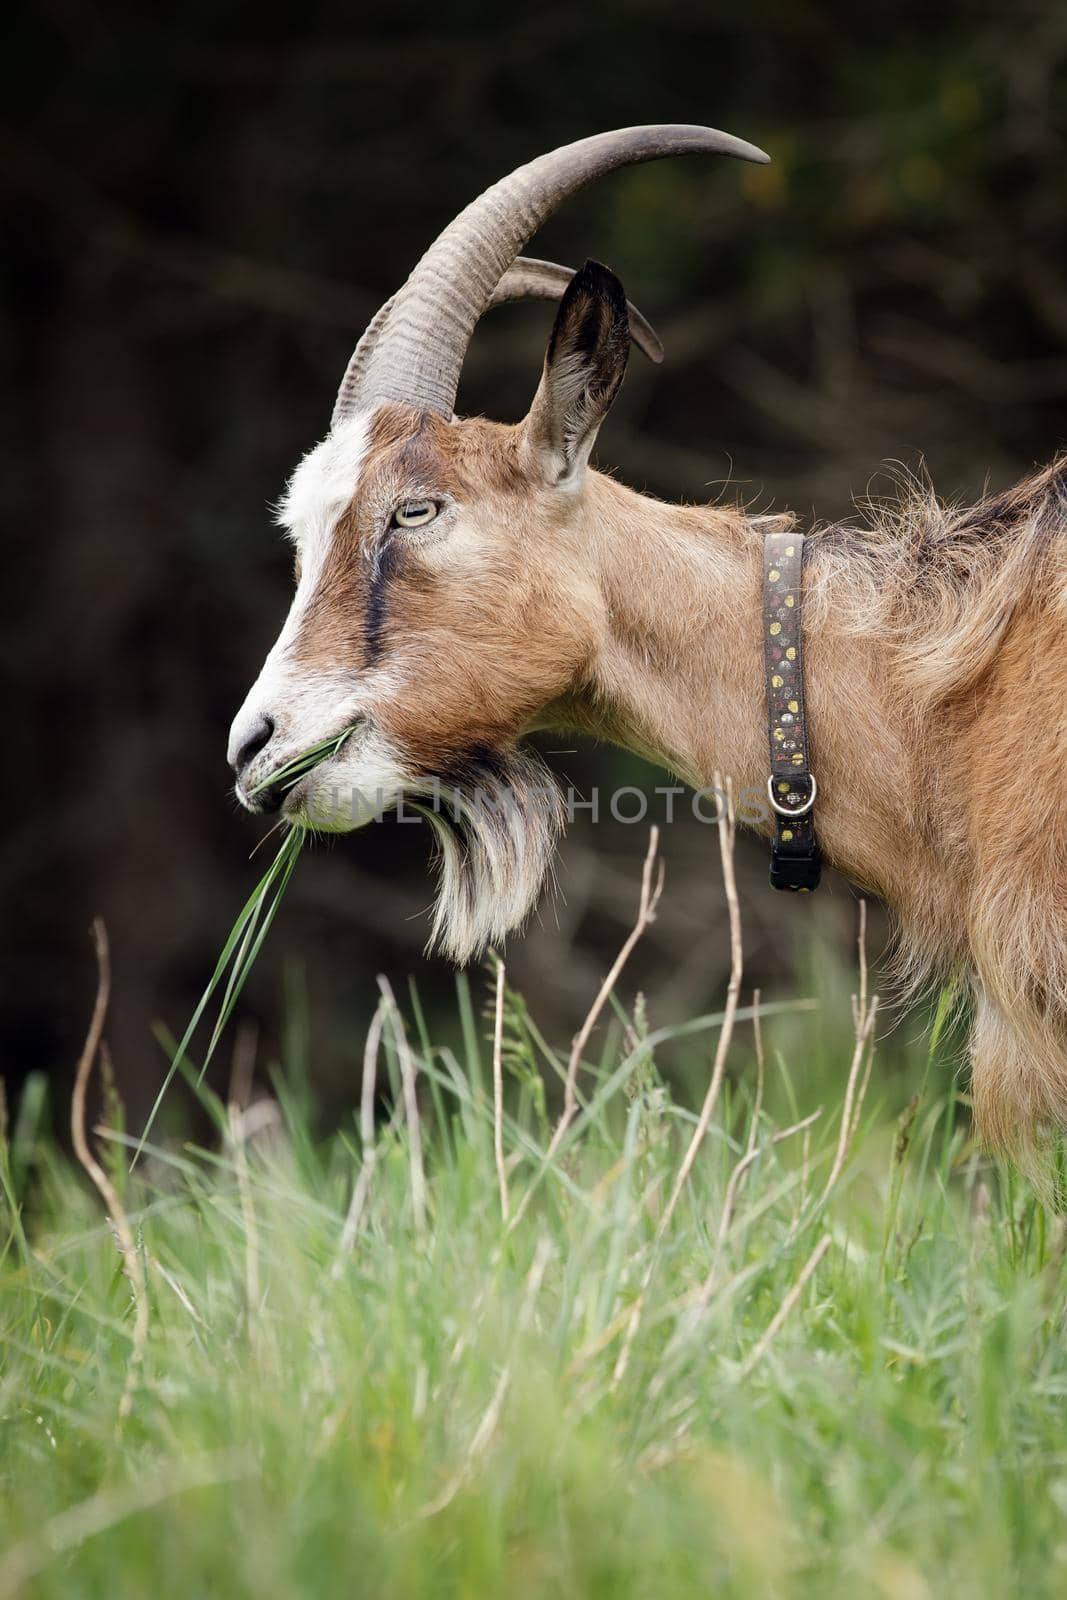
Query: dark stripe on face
374, 621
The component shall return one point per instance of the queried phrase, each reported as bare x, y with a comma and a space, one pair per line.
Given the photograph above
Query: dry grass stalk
759, 1350
243, 1065
737, 1176
805, 1178
132, 1263
859, 1001
242, 1071
864, 1011
361, 1190
727, 831
744, 1165
746, 1162
248, 1216
646, 914
651, 890
498, 1092
761, 1072
177, 1289
411, 1107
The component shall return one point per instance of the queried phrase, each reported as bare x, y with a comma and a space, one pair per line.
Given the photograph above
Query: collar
796, 863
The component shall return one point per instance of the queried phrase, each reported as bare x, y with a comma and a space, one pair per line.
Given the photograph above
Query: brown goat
461, 583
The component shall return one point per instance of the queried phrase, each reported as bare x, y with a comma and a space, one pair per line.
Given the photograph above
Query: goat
460, 583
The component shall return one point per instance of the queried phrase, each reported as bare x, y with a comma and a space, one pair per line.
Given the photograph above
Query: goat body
461, 583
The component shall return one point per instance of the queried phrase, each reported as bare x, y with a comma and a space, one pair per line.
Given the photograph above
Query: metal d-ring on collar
791, 788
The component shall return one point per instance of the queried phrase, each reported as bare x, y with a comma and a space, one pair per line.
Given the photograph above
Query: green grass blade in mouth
238, 953
251, 927
294, 770
253, 940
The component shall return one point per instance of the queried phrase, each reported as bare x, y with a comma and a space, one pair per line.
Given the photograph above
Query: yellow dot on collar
776, 628
790, 549
774, 575
789, 600
798, 759
794, 705
791, 653
787, 833
776, 681
783, 787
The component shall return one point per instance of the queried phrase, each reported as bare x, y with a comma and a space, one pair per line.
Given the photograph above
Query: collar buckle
788, 810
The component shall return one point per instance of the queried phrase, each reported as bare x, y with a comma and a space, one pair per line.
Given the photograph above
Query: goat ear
584, 366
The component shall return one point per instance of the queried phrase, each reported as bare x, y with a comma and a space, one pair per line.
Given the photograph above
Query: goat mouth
282, 790
268, 802
261, 802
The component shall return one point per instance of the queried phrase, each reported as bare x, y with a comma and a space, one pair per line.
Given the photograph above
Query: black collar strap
795, 860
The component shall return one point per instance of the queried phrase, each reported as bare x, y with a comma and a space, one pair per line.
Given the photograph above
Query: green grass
406, 1398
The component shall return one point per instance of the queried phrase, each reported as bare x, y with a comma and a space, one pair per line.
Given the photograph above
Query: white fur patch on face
325, 480
307, 707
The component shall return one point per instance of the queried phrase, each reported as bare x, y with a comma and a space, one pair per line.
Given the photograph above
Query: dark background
201, 209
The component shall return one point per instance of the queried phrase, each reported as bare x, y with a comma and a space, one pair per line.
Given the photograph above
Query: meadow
720, 1308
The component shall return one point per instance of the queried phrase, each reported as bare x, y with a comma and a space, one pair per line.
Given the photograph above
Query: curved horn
527, 279
420, 341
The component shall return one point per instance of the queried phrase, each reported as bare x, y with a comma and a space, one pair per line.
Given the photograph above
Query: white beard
496, 830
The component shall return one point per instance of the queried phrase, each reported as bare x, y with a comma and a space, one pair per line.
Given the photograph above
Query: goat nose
256, 739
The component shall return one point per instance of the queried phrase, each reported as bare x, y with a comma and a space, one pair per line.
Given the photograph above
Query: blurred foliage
202, 207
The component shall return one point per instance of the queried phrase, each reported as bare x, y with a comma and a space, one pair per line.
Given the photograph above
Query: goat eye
415, 513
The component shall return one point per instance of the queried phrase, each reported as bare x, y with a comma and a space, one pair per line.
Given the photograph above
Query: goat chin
496, 826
